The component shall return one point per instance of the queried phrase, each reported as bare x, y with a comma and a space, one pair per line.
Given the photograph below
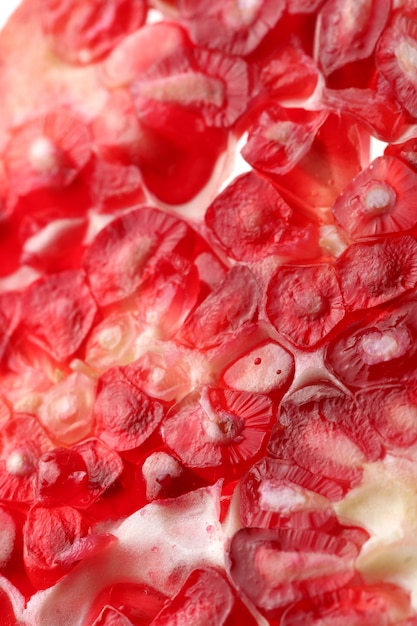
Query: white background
6, 8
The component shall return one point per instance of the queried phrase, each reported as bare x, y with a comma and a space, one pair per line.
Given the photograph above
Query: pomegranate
208, 313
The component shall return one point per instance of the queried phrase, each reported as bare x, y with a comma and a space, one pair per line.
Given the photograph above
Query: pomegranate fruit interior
208, 387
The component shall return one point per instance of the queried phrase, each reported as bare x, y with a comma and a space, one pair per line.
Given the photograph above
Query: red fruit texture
208, 313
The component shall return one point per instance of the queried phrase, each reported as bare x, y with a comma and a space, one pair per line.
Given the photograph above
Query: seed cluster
208, 398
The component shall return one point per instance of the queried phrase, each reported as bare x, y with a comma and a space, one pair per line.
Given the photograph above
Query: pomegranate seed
229, 307
49, 556
168, 294
209, 82
275, 568
281, 137
321, 429
287, 74
374, 272
137, 52
218, 427
125, 415
274, 491
104, 467
395, 58
391, 410
371, 605
334, 158
58, 312
267, 368
384, 118
84, 31
47, 152
304, 303
22, 443
234, 27
378, 201
136, 239
375, 351
248, 218
66, 410
348, 30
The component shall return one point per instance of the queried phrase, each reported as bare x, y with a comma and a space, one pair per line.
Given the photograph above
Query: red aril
136, 239
395, 57
57, 313
370, 605
211, 83
376, 271
374, 350
248, 219
227, 309
218, 427
232, 26
348, 31
275, 568
85, 30
125, 416
380, 200
304, 303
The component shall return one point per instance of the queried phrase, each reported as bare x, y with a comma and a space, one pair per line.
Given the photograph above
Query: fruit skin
198, 373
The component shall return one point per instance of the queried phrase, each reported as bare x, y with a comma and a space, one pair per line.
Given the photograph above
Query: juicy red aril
348, 30
288, 73
322, 173
61, 477
125, 415
384, 117
177, 153
304, 303
374, 351
138, 51
115, 185
58, 312
83, 31
321, 429
377, 271
372, 605
112, 342
104, 466
233, 27
274, 491
22, 443
169, 292
117, 258
248, 218
224, 311
395, 59
392, 411
49, 555
275, 568
280, 138
218, 427
379, 200
127, 603
213, 84
206, 598
47, 153
163, 374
